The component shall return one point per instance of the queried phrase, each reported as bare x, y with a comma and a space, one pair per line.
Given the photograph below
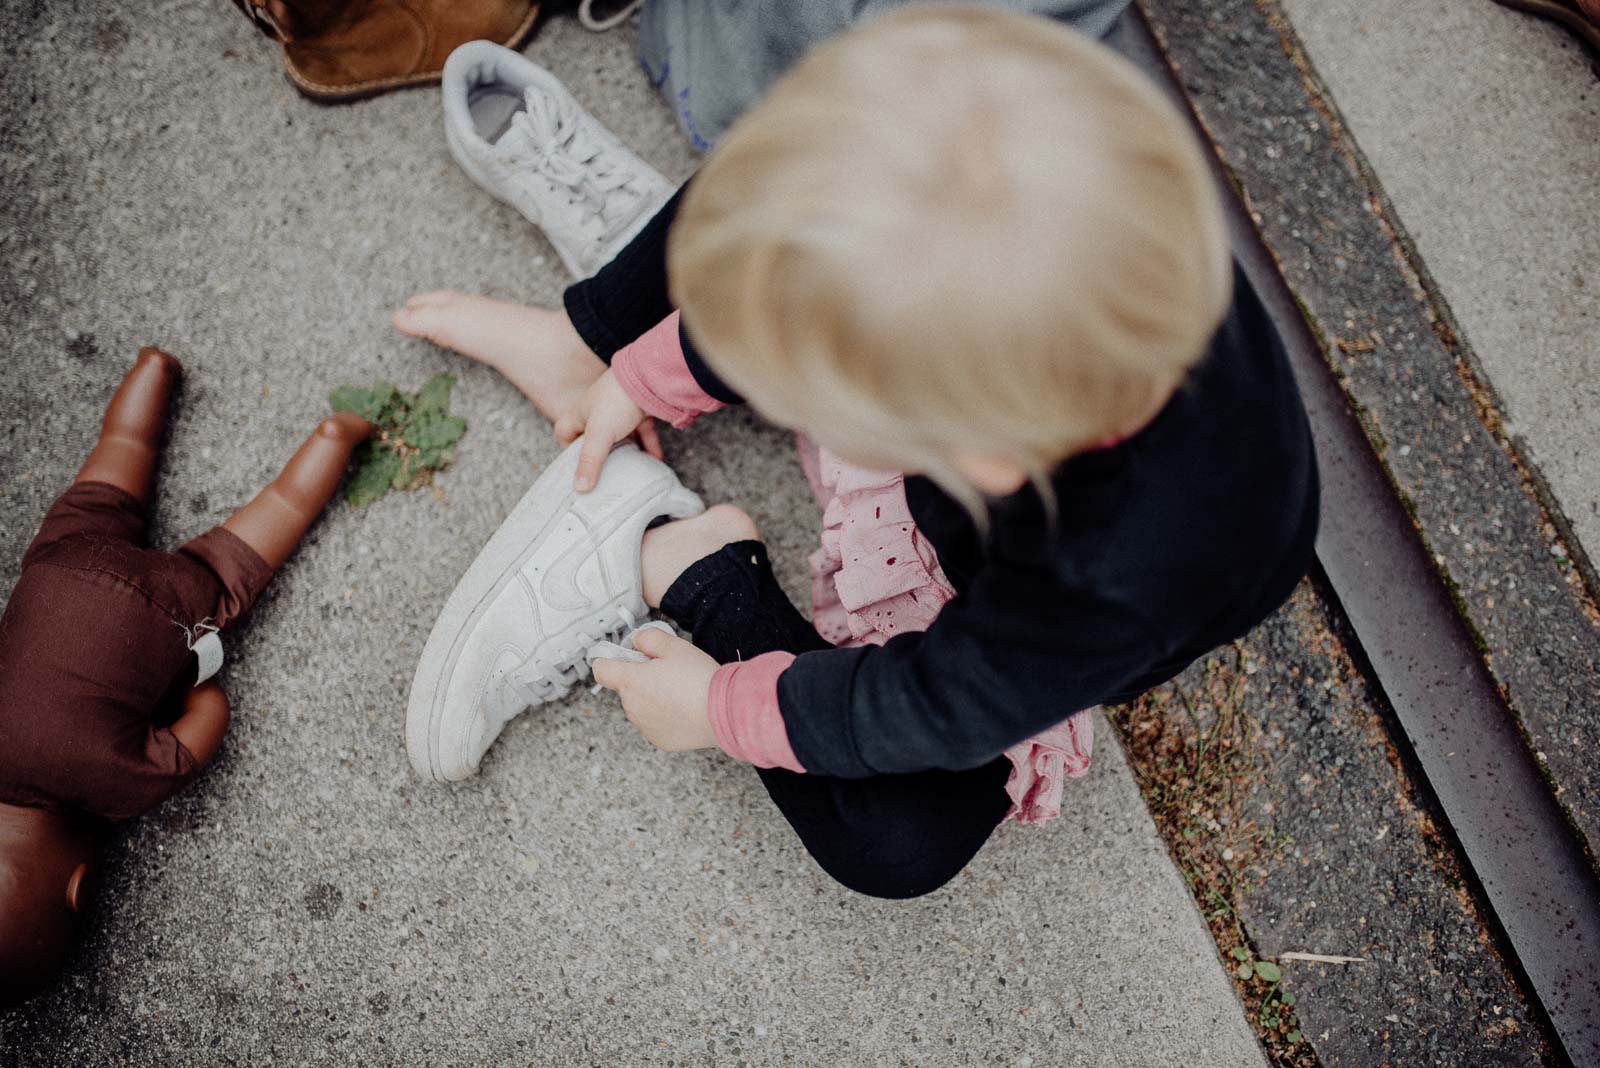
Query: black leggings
893, 836
889, 835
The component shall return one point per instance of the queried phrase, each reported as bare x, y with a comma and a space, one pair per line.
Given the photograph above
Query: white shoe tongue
545, 115
531, 127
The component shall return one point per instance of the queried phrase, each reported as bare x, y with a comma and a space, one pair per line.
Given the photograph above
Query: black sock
732, 604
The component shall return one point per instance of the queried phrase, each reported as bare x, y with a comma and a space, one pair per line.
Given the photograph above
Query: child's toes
422, 321
433, 298
405, 320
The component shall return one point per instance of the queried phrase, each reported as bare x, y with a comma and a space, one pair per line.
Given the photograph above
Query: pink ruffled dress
875, 576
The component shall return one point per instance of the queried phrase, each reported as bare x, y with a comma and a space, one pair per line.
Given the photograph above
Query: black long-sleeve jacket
1177, 540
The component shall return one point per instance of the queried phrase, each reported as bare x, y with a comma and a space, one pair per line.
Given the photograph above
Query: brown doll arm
130, 436
280, 515
204, 721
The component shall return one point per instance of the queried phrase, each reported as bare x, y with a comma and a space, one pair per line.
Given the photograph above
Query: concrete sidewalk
586, 900
1483, 126
1476, 132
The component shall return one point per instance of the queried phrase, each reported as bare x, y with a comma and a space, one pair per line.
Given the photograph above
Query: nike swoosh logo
560, 588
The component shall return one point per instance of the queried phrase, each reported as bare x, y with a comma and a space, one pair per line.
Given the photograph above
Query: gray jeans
712, 59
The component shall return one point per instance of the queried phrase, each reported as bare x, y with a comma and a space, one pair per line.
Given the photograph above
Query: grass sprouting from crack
415, 435
1191, 750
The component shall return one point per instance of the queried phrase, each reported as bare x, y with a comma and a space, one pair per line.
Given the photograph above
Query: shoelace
586, 15
623, 650
537, 683
565, 153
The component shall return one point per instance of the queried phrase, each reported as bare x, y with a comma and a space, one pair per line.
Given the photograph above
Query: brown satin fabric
94, 653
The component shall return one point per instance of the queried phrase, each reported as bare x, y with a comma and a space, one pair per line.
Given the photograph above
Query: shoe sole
494, 567
343, 94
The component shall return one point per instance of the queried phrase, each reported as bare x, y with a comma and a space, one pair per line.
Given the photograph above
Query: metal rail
1514, 839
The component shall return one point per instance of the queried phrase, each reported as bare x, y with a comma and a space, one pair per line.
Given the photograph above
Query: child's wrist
742, 707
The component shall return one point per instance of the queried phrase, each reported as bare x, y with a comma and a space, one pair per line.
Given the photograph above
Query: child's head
954, 233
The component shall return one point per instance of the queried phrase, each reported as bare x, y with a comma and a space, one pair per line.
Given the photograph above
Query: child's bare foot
670, 549
536, 348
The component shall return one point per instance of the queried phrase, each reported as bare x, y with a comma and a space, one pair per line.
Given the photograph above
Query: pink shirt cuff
654, 374
744, 712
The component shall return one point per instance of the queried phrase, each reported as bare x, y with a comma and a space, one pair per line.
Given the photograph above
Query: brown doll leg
107, 498
125, 455
280, 515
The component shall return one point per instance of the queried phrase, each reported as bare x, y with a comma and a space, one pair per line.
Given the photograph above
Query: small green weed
415, 436
1276, 1005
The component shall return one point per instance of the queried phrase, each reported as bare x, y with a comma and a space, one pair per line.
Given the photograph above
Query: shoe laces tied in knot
565, 152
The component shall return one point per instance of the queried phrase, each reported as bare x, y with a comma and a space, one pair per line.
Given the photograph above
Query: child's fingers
591, 458
568, 427
611, 672
650, 439
654, 642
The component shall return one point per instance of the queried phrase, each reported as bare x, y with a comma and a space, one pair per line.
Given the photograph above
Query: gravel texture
1446, 445
1355, 865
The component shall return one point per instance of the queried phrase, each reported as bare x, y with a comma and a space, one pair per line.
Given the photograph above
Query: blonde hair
954, 230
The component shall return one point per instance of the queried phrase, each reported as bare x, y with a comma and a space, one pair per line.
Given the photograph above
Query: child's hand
605, 416
668, 699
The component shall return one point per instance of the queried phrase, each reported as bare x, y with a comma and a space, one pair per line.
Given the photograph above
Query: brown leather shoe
1582, 17
337, 50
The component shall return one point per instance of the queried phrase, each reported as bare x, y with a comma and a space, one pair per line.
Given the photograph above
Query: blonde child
979, 249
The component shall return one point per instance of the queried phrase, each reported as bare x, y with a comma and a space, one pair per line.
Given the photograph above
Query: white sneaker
514, 128
560, 575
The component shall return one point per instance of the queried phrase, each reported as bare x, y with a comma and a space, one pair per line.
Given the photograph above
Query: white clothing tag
208, 650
